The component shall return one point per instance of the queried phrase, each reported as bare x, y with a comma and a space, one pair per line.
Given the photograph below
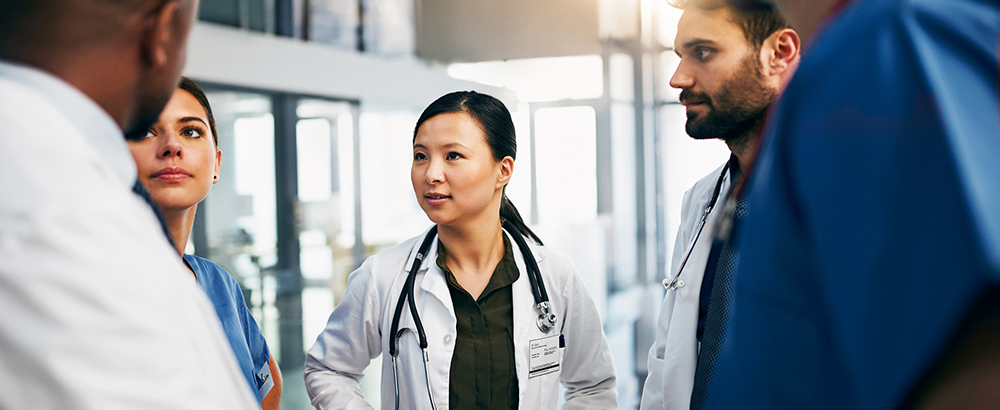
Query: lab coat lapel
524, 317
433, 301
681, 349
433, 282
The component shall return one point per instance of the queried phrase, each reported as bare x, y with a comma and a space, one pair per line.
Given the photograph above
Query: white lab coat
358, 331
98, 310
674, 355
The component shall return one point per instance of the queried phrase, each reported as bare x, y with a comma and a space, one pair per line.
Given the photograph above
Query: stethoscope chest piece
546, 319
675, 285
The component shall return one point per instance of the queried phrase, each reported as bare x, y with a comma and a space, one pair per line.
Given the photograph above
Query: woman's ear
218, 165
505, 171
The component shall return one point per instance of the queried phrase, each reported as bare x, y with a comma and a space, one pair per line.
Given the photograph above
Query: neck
807, 16
472, 249
180, 222
745, 147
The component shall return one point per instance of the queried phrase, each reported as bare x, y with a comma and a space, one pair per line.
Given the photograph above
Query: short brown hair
758, 23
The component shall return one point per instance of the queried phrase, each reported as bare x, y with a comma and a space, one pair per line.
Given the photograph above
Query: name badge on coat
544, 355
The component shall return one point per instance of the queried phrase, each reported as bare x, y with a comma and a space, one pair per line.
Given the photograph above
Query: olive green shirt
483, 375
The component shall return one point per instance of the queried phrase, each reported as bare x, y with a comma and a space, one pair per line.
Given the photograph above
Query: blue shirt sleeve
259, 352
248, 345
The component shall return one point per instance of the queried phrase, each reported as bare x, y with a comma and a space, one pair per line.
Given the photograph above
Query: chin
172, 202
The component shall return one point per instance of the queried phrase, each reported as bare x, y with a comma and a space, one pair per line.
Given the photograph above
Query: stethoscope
674, 283
546, 319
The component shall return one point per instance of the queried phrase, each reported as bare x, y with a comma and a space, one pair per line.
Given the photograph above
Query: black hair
494, 119
195, 90
758, 20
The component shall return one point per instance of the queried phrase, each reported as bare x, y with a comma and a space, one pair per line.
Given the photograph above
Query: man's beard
739, 108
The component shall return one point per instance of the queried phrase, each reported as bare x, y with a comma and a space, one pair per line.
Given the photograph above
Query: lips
690, 98
435, 199
171, 174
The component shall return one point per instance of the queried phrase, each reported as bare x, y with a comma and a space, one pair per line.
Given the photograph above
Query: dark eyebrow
697, 42
191, 119
445, 146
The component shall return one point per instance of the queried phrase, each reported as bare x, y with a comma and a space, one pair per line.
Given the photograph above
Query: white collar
97, 127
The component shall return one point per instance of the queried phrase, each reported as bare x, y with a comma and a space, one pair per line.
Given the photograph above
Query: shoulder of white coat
706, 185
386, 264
557, 268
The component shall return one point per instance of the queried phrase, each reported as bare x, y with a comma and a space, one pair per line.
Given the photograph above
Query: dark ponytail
494, 119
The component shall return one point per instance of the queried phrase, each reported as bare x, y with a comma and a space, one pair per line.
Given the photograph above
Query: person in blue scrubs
870, 262
178, 161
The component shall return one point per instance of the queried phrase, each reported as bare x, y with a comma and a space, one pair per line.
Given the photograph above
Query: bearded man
733, 65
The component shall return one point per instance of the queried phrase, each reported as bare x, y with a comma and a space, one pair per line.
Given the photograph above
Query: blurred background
316, 100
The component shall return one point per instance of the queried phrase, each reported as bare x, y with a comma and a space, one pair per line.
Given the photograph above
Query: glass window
325, 149
686, 160
333, 22
239, 212
256, 15
623, 187
390, 212
389, 27
566, 164
539, 79
621, 78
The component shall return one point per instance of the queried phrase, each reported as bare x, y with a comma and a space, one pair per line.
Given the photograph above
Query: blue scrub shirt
241, 329
876, 216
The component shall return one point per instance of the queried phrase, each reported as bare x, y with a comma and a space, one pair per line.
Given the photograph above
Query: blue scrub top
241, 329
876, 210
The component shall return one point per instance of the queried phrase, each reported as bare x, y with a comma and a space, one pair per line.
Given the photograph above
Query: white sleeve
352, 338
588, 373
98, 311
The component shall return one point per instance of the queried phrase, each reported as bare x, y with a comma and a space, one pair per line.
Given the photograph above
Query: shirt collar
97, 127
734, 168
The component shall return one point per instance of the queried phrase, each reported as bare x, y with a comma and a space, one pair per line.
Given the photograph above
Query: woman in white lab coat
485, 348
674, 354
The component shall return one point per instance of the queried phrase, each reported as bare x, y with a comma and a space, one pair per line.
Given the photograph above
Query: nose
434, 174
170, 147
682, 78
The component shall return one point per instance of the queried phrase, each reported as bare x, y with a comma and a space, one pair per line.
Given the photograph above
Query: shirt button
447, 339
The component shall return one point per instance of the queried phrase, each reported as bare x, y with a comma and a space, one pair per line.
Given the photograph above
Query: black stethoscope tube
407, 292
673, 283
546, 319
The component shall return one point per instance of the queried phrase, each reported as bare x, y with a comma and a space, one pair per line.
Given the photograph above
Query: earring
215, 177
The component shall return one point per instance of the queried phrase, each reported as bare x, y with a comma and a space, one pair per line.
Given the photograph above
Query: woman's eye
419, 156
149, 133
453, 156
192, 133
